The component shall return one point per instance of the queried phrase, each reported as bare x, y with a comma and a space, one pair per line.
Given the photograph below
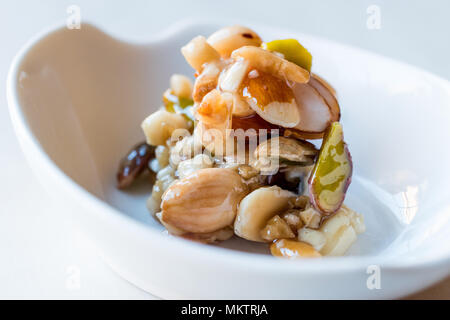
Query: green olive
292, 50
332, 172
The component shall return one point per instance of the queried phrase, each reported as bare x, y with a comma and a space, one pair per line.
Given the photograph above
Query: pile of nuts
203, 191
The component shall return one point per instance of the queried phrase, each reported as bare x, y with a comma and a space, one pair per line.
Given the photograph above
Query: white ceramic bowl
77, 98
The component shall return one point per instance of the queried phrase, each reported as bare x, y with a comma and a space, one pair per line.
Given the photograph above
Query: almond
269, 62
205, 201
292, 249
271, 99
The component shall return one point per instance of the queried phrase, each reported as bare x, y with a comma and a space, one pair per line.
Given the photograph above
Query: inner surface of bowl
84, 95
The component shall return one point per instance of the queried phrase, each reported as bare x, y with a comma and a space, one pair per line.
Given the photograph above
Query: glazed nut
198, 52
293, 249
341, 231
311, 218
272, 99
184, 149
300, 202
247, 171
271, 63
200, 161
153, 204
162, 156
159, 126
205, 201
165, 178
292, 218
315, 238
206, 81
215, 109
240, 107
231, 78
257, 208
276, 228
228, 39
181, 86
286, 150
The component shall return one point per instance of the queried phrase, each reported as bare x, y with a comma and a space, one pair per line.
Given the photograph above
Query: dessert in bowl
229, 154
78, 99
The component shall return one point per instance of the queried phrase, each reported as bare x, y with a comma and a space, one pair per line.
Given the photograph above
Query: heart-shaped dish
77, 98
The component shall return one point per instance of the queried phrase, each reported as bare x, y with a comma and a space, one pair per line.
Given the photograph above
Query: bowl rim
117, 219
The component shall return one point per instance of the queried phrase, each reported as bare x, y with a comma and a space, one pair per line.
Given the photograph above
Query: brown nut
276, 228
292, 249
205, 201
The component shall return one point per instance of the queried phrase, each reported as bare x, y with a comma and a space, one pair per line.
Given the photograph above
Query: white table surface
41, 252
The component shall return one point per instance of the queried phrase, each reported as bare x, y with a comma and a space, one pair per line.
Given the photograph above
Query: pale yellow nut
181, 86
162, 156
198, 52
240, 107
356, 219
159, 126
311, 218
206, 81
340, 243
340, 232
153, 205
292, 218
293, 249
200, 161
184, 149
205, 201
271, 63
257, 208
228, 39
231, 78
314, 237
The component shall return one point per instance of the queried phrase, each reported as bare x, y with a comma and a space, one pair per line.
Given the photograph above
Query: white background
40, 250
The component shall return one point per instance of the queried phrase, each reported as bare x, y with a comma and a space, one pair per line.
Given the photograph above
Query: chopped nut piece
206, 81
181, 86
162, 155
315, 238
341, 231
300, 202
159, 126
269, 62
198, 52
276, 228
292, 218
228, 39
247, 171
257, 208
186, 167
311, 218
